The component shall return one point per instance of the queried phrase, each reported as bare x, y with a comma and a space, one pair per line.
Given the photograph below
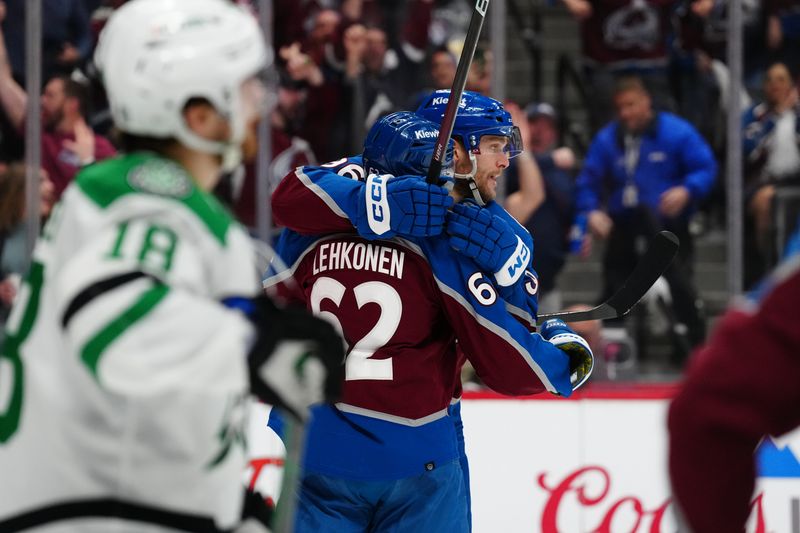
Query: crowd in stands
655, 71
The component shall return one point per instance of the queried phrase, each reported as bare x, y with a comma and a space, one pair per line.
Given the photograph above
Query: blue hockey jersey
402, 305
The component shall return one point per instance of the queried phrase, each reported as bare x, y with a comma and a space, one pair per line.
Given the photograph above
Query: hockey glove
297, 358
581, 360
257, 513
405, 206
489, 240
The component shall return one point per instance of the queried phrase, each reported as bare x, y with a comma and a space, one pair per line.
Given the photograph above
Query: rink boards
597, 463
592, 463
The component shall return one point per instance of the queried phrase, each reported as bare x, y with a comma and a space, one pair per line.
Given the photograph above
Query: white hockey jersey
123, 380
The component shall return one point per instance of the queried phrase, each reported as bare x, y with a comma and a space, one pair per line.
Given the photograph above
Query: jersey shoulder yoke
148, 174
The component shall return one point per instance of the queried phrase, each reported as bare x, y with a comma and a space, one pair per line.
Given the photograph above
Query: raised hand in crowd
8, 291
702, 8
788, 102
352, 9
300, 66
69, 54
83, 145
355, 46
519, 118
522, 203
774, 32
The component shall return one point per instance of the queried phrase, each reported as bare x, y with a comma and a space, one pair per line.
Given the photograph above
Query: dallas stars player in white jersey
128, 358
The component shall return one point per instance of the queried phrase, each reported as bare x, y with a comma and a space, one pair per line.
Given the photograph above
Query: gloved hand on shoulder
404, 206
489, 240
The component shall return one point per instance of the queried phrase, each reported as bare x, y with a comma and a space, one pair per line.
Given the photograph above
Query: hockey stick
460, 80
655, 261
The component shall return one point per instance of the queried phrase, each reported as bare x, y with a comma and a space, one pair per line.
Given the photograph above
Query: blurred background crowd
622, 106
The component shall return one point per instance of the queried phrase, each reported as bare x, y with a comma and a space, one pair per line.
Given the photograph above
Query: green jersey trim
94, 349
146, 173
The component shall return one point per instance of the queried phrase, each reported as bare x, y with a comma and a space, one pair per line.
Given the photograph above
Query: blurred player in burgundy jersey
402, 298
741, 386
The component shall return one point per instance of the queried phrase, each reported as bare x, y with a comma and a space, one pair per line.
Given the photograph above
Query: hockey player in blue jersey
402, 365
333, 203
485, 141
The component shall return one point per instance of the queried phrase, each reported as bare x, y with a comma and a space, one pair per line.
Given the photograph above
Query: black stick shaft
656, 260
460, 80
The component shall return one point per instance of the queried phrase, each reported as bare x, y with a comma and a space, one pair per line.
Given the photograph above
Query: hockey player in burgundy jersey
401, 304
331, 203
740, 387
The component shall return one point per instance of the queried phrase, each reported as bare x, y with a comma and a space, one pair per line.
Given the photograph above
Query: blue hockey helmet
478, 115
401, 144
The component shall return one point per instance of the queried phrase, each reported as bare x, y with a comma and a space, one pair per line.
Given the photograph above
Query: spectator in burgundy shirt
623, 37
68, 143
380, 76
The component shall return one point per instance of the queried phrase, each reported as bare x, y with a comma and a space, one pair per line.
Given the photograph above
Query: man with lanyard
655, 168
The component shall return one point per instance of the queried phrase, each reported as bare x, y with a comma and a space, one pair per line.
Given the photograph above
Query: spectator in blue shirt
771, 148
644, 172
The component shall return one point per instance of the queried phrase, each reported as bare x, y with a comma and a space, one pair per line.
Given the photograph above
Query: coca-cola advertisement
598, 464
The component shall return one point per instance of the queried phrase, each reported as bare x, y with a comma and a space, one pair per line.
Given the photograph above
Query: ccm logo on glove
510, 273
377, 205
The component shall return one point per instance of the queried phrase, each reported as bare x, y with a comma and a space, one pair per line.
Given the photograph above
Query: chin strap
470, 178
230, 151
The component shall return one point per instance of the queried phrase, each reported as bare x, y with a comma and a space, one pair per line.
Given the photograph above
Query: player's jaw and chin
253, 106
486, 179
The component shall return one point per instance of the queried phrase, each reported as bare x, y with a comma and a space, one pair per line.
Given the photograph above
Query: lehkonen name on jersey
359, 256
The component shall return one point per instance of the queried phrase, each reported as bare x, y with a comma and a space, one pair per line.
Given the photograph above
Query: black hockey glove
257, 510
297, 358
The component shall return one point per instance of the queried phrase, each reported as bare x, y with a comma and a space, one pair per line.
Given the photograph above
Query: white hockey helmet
155, 55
